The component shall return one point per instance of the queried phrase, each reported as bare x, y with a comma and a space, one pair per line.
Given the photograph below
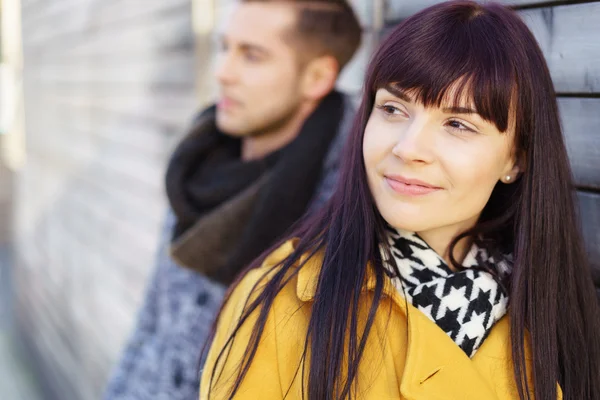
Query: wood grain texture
109, 89
567, 34
581, 127
397, 10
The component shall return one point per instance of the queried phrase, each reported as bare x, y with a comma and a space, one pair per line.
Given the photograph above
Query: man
249, 168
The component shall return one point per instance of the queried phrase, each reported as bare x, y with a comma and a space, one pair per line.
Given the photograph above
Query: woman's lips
409, 187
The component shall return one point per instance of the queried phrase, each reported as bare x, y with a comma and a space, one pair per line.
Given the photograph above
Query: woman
449, 263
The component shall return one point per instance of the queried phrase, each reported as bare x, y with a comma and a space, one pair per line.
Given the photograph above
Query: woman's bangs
454, 67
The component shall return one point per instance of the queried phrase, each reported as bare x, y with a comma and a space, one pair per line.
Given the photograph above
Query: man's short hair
323, 27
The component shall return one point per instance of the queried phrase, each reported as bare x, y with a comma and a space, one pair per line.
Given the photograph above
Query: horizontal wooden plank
568, 36
175, 70
114, 196
28, 4
141, 206
37, 11
108, 163
79, 22
148, 137
126, 240
71, 18
100, 251
55, 382
48, 316
589, 204
397, 10
171, 107
62, 332
581, 127
170, 32
102, 13
533, 3
58, 365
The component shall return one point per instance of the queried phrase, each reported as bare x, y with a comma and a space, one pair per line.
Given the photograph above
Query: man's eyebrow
246, 46
255, 48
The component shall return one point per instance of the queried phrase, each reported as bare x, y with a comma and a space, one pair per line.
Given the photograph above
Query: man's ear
319, 77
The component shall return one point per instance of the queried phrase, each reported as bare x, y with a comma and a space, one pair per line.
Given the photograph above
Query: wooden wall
109, 88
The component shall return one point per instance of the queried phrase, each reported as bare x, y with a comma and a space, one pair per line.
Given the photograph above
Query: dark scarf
230, 211
465, 304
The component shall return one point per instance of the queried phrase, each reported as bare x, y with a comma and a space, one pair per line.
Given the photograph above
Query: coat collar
434, 363
429, 366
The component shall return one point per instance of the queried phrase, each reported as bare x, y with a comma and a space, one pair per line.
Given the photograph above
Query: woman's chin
406, 222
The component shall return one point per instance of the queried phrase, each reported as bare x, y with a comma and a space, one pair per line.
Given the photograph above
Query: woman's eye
459, 126
390, 110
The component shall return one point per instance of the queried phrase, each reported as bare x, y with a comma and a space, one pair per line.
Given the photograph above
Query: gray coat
161, 359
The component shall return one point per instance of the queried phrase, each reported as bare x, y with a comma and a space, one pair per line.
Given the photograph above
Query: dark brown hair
552, 298
323, 27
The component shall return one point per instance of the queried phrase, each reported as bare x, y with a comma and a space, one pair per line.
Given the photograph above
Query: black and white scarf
464, 304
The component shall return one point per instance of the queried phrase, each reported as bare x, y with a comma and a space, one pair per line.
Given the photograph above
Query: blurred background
94, 96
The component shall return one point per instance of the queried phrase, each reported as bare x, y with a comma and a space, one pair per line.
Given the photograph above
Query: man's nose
225, 71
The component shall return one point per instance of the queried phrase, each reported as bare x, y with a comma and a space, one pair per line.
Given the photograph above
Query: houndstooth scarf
464, 304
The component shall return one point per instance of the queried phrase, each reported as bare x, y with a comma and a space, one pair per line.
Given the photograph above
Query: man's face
258, 72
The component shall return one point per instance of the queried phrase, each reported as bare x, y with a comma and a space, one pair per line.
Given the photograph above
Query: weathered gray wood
581, 127
400, 9
109, 89
567, 34
171, 71
589, 204
352, 77
171, 31
169, 107
87, 14
569, 38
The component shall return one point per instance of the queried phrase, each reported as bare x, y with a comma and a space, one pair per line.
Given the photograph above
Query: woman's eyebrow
459, 110
397, 92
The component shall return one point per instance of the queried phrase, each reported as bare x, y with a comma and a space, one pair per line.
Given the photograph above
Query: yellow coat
405, 358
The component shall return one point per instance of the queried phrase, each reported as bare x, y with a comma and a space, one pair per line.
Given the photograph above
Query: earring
507, 178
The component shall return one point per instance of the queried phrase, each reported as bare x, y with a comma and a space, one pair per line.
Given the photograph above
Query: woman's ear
518, 167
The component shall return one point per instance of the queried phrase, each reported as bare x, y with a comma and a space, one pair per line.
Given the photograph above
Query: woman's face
432, 170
